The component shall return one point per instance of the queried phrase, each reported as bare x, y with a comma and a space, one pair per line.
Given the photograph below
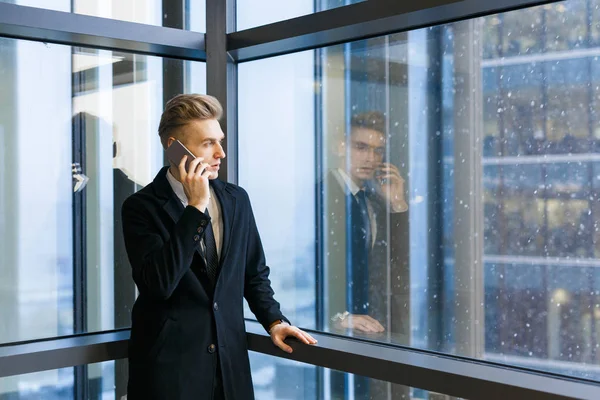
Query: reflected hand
362, 323
390, 185
281, 331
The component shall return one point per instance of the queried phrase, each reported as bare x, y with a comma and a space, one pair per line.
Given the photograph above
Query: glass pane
292, 246
61, 384
280, 379
78, 134
252, 13
521, 32
190, 14
564, 24
437, 190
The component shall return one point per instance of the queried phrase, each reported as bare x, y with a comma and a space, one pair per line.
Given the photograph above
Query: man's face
365, 153
204, 138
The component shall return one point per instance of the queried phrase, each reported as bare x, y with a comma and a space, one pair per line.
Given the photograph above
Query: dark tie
360, 250
364, 217
211, 257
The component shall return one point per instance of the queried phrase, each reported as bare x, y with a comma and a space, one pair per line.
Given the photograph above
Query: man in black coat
366, 218
364, 209
195, 253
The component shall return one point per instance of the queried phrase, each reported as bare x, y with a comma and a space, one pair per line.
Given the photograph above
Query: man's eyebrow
213, 139
359, 142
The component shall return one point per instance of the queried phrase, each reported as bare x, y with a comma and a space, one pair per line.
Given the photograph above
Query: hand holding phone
390, 185
193, 175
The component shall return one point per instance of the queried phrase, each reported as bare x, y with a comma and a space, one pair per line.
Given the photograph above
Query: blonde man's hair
185, 108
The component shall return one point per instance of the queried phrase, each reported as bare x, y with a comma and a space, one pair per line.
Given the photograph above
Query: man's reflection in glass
362, 192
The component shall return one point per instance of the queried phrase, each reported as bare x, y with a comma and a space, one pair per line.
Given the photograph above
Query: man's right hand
195, 182
362, 323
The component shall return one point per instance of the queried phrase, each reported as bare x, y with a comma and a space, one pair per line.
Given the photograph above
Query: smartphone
379, 180
176, 151
379, 173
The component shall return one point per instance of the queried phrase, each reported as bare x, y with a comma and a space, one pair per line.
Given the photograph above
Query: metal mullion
593, 334
221, 77
59, 27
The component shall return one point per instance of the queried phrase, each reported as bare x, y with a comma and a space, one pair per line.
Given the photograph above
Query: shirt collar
346, 181
177, 187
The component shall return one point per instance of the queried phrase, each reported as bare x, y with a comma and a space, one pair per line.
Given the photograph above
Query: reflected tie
210, 256
360, 250
364, 215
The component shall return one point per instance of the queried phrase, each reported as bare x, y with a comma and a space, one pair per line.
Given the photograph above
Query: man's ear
170, 141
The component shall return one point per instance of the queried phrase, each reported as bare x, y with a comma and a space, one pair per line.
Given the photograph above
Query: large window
485, 244
420, 195
282, 135
78, 133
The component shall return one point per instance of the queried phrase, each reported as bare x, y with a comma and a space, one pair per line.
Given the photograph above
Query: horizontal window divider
48, 26
444, 374
451, 375
62, 352
356, 22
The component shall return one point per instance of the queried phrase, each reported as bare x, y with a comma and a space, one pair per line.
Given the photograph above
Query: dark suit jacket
343, 252
182, 326
390, 234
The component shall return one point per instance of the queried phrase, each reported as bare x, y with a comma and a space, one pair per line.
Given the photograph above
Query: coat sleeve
159, 265
257, 287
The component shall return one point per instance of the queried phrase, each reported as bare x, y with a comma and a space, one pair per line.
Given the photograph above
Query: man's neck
358, 182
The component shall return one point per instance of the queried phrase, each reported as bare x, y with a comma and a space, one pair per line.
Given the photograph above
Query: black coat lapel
227, 202
172, 205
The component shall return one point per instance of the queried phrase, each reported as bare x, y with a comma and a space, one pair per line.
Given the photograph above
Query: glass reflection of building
541, 142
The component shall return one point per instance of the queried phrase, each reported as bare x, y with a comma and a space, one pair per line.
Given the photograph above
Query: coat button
199, 230
203, 223
196, 238
212, 348
216, 306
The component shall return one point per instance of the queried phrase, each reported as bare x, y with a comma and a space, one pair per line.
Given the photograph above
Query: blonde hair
185, 108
